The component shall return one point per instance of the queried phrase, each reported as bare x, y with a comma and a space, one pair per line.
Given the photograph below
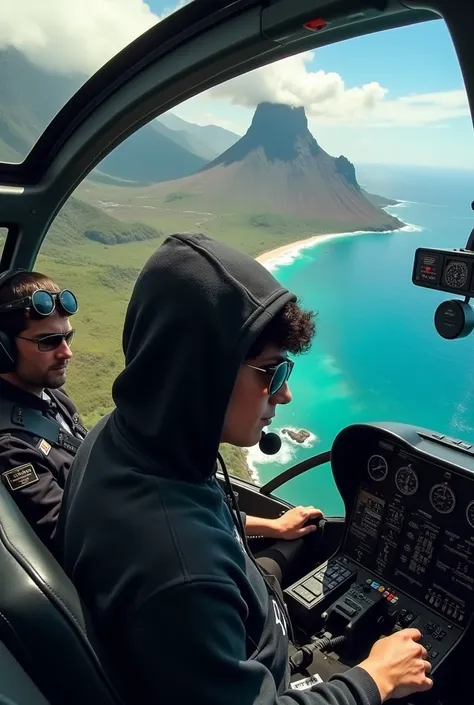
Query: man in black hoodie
183, 612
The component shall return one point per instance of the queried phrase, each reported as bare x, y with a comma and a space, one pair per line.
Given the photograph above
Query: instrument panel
441, 495
444, 269
412, 524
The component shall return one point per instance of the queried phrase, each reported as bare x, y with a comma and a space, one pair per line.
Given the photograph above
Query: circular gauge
406, 480
455, 274
377, 467
470, 513
442, 499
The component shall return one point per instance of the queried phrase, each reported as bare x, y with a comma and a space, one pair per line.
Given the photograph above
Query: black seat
42, 621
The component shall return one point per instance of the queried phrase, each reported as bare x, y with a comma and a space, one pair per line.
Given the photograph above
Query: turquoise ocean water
376, 355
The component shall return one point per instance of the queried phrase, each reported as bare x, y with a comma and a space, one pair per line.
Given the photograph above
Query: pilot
40, 429
154, 545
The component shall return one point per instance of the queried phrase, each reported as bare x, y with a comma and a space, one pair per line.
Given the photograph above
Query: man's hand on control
398, 664
291, 525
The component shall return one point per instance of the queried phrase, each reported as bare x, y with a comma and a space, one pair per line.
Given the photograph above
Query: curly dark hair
22, 284
291, 330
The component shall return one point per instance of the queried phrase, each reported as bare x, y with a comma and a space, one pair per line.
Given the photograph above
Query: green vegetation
236, 461
78, 220
254, 233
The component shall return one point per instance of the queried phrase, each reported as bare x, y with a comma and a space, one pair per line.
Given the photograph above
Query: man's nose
283, 396
64, 352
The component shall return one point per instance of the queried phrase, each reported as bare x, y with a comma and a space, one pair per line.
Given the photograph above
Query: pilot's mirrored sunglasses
279, 374
50, 342
44, 302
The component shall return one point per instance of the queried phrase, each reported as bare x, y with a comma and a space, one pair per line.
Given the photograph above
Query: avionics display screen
413, 550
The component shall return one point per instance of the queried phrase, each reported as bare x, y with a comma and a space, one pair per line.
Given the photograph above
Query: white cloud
422, 109
73, 35
81, 35
327, 100
289, 81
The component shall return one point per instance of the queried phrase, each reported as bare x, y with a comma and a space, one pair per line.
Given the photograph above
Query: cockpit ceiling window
49, 49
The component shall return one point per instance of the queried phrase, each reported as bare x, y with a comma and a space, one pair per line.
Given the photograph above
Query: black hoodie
183, 614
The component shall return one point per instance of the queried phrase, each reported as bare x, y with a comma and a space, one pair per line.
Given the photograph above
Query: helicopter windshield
331, 166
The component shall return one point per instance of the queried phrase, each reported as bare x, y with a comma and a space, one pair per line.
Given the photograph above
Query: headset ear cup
7, 353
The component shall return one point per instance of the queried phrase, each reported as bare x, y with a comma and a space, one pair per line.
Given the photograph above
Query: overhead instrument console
407, 554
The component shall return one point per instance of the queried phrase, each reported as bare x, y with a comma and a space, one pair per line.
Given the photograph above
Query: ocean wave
401, 204
411, 228
405, 204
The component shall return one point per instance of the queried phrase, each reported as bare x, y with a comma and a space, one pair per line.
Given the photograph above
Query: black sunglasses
44, 302
51, 342
279, 374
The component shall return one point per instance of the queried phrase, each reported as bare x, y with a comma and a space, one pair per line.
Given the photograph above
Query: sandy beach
286, 253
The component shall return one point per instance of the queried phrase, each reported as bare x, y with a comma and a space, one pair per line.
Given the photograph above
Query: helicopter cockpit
396, 545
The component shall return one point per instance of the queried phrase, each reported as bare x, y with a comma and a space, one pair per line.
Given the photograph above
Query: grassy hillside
235, 460
175, 210
79, 220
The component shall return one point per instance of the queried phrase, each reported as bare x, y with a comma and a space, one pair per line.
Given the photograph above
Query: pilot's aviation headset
7, 344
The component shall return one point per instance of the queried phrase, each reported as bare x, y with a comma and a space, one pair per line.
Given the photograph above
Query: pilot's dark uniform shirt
33, 469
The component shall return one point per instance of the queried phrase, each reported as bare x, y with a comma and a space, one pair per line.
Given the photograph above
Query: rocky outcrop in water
297, 436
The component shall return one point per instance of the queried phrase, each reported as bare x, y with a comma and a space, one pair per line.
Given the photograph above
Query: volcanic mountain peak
277, 167
278, 130
284, 118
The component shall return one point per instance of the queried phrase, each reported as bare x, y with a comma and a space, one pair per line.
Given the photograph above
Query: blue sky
423, 118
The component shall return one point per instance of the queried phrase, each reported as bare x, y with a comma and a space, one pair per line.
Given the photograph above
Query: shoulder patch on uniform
44, 446
21, 476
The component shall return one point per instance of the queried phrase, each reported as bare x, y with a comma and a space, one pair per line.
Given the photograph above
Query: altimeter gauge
406, 480
470, 513
377, 468
442, 498
456, 274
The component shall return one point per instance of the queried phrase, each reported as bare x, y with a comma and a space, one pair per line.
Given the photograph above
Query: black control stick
361, 615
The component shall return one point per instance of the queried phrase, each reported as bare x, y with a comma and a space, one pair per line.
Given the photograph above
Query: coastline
293, 249
285, 254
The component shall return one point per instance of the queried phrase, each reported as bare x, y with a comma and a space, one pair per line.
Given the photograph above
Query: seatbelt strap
14, 417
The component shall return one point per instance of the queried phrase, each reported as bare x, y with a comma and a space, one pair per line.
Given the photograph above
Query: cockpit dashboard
407, 553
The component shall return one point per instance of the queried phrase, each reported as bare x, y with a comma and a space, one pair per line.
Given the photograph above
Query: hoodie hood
196, 308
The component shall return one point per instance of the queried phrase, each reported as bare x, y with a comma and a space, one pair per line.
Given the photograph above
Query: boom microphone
270, 443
